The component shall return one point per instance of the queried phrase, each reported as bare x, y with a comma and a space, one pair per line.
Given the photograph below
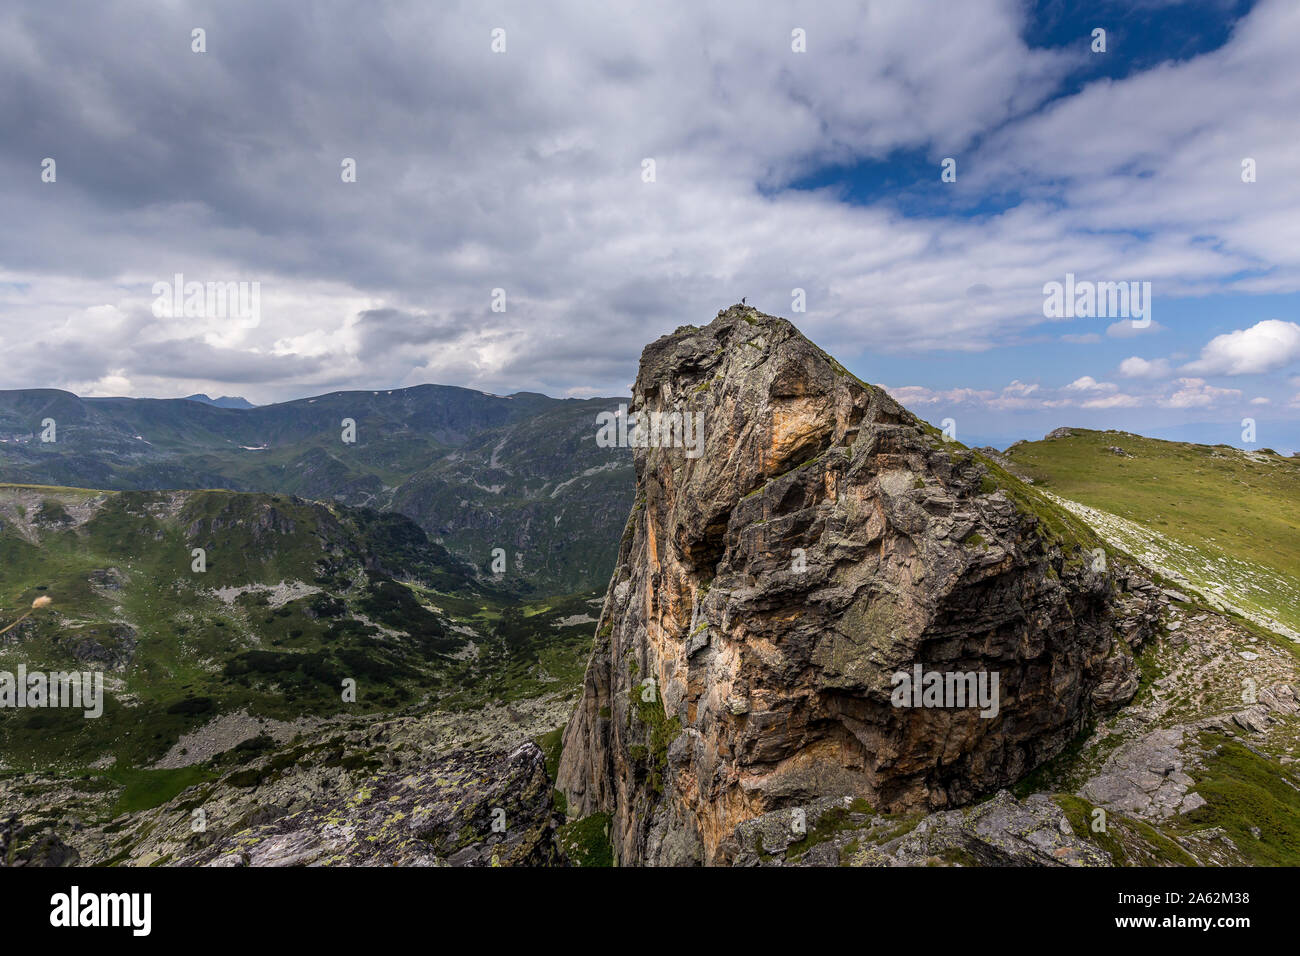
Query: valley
204, 669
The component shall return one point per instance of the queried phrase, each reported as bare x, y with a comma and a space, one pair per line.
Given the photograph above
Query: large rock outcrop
768, 590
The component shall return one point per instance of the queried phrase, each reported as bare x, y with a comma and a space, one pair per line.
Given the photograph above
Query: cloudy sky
775, 169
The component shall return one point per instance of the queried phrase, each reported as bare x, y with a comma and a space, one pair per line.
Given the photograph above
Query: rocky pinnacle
769, 590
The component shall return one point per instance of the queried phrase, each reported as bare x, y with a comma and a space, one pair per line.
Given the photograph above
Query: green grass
833, 821
146, 789
660, 732
1130, 842
586, 842
552, 745
1210, 513
1079, 812
1244, 790
1056, 524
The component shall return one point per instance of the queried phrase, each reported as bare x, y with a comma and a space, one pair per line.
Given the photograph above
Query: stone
830, 540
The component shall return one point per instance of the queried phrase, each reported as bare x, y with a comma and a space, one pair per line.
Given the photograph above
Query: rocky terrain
1199, 769
443, 789
739, 703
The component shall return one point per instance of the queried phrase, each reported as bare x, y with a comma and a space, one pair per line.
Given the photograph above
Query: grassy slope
383, 605
1226, 520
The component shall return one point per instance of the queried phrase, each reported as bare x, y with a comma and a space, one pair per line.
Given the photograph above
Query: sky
542, 189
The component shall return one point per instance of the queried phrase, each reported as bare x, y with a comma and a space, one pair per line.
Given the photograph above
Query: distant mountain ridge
225, 401
520, 473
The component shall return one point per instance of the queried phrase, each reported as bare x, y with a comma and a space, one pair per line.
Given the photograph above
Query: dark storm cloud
384, 329
193, 359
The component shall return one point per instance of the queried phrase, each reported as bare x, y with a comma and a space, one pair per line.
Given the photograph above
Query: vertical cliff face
769, 589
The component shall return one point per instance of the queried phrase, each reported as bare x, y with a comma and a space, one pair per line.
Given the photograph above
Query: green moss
661, 731
586, 842
551, 744
832, 822
1079, 812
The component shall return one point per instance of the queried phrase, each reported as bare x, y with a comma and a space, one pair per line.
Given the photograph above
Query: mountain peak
770, 591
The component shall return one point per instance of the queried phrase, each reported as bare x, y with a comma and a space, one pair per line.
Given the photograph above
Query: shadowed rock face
771, 587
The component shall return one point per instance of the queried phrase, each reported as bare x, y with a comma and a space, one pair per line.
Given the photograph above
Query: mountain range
478, 472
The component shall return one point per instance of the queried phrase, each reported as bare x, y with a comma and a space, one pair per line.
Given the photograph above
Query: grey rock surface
825, 540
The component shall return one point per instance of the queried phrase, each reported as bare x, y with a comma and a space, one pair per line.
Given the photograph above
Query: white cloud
1264, 347
1125, 329
920, 395
1195, 393
1084, 392
1119, 400
1135, 367
1089, 384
